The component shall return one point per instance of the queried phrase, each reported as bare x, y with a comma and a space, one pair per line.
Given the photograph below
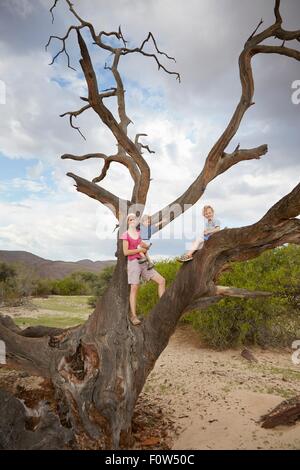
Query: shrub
147, 296
271, 321
101, 284
11, 288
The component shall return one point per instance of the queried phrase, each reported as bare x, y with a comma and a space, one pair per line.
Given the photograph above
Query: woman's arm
127, 252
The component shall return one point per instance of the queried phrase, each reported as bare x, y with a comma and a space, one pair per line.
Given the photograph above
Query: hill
46, 268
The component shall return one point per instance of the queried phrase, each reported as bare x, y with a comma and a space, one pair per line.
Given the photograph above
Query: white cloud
182, 121
19, 7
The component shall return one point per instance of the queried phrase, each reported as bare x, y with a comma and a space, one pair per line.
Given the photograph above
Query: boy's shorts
136, 270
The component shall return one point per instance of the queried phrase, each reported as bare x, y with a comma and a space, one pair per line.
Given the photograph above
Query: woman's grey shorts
136, 270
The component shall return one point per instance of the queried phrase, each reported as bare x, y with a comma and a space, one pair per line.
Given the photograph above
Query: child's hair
205, 208
145, 218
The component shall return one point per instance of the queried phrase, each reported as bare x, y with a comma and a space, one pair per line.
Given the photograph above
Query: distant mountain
46, 268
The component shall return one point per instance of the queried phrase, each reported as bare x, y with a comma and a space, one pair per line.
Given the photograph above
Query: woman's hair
128, 217
205, 208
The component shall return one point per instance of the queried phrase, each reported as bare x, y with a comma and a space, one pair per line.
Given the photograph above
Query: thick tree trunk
96, 370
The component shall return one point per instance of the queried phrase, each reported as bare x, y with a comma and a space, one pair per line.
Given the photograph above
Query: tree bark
97, 370
94, 373
286, 413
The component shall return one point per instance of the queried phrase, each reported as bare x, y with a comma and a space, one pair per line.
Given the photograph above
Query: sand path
217, 398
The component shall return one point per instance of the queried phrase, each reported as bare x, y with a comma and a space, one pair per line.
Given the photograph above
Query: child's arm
158, 224
144, 245
212, 230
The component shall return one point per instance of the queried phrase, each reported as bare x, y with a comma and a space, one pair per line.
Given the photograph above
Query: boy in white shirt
211, 225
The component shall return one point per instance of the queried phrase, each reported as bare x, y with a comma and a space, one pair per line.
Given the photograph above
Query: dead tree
98, 369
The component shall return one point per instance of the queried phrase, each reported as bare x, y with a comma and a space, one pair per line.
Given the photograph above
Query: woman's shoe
142, 260
134, 320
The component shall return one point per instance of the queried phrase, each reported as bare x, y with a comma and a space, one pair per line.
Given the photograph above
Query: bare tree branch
108, 159
230, 159
80, 158
63, 49
256, 29
139, 145
76, 113
73, 114
218, 160
120, 93
228, 291
223, 291
31, 354
288, 52
139, 168
124, 160
277, 12
107, 118
140, 50
94, 191
108, 93
51, 10
195, 279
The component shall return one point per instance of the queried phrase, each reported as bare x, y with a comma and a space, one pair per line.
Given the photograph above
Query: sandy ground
217, 398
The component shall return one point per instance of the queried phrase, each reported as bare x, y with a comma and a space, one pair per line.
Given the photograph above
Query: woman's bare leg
132, 298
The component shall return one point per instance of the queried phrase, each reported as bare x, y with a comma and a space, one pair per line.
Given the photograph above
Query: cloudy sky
40, 210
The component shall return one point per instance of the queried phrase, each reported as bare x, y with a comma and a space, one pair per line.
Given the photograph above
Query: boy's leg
143, 258
196, 245
150, 263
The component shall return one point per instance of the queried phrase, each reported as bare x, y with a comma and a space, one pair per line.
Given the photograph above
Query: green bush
43, 287
77, 283
271, 321
15, 283
69, 286
147, 296
100, 284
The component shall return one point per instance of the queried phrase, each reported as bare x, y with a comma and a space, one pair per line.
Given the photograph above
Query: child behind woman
146, 232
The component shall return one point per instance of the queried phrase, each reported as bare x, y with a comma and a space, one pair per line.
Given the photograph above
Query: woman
133, 246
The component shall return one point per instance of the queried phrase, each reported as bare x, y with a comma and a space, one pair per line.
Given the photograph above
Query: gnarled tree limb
114, 203
196, 278
215, 162
126, 147
222, 291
